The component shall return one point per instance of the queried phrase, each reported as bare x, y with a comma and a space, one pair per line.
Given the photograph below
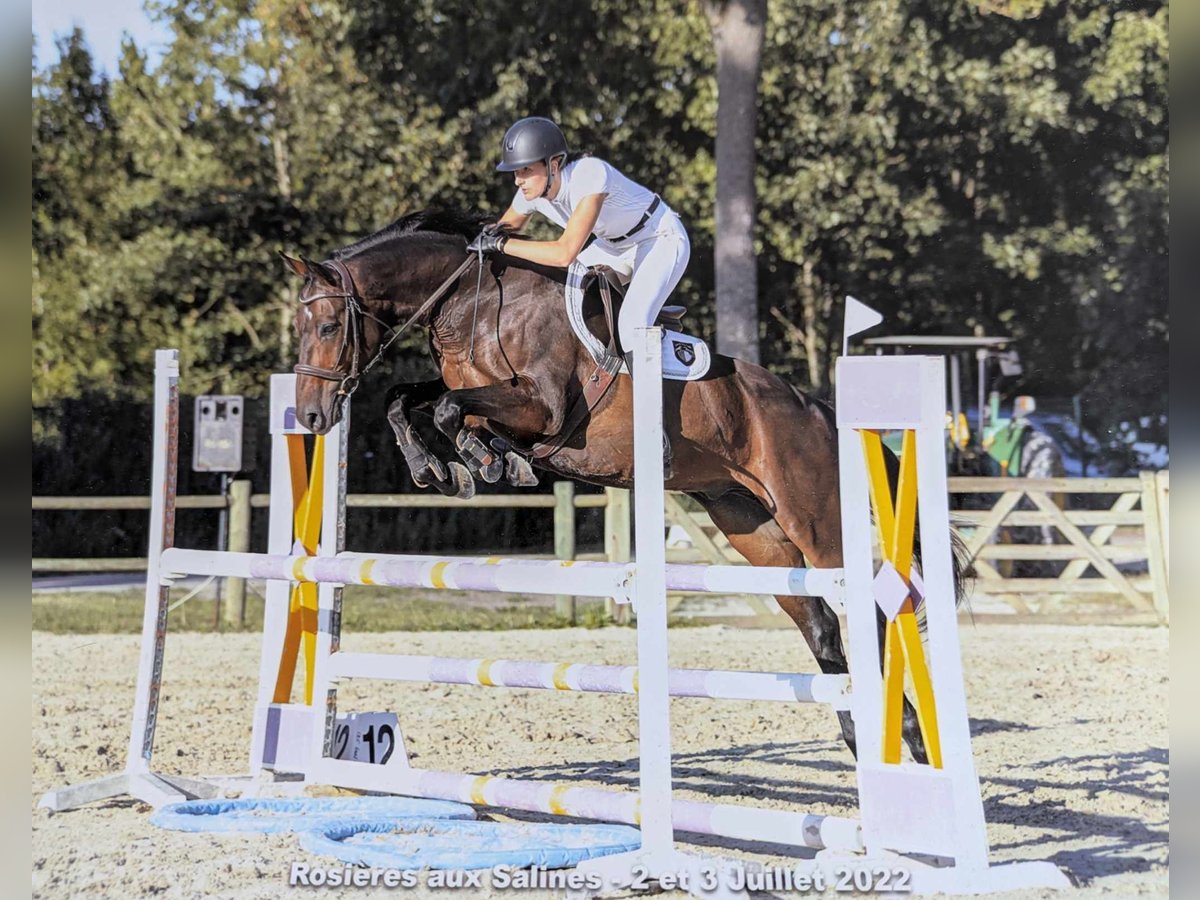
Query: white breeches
653, 262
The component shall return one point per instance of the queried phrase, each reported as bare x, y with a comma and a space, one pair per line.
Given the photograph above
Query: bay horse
758, 455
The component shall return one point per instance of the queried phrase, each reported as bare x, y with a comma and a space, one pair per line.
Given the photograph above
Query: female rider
636, 233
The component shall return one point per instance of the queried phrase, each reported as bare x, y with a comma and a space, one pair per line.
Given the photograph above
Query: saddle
612, 293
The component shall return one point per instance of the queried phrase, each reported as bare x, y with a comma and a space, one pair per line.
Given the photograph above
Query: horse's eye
329, 329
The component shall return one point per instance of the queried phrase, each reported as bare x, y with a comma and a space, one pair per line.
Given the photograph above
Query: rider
635, 232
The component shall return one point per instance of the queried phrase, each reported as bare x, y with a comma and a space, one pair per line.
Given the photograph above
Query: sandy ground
1070, 726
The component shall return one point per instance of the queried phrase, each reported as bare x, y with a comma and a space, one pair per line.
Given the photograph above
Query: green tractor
990, 443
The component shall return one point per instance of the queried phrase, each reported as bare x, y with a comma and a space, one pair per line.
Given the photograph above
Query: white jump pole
282, 421
466, 573
329, 597
744, 823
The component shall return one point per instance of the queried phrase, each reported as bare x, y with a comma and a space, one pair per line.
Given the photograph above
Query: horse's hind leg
754, 534
809, 515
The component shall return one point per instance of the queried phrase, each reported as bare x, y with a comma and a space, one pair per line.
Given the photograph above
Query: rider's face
531, 179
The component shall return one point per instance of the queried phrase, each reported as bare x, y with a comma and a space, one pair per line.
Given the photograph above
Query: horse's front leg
519, 407
453, 479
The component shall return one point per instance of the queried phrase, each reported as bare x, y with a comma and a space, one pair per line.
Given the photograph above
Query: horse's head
337, 339
341, 333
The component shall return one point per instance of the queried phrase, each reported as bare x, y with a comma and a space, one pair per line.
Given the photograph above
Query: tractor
987, 443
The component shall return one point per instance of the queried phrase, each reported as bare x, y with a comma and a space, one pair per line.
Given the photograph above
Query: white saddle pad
685, 358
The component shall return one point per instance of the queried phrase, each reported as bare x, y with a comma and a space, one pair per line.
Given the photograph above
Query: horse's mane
432, 221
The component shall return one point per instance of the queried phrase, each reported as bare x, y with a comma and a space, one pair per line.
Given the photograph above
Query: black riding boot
668, 454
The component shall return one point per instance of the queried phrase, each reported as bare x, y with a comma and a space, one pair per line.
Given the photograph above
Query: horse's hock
906, 808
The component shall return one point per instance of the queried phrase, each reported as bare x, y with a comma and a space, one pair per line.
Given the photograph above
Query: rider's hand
490, 240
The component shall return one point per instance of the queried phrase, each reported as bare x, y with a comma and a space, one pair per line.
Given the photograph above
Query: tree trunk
811, 315
737, 27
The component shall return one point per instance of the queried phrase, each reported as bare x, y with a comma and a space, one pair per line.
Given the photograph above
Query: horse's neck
400, 283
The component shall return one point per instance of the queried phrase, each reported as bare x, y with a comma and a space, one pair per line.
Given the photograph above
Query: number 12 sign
368, 737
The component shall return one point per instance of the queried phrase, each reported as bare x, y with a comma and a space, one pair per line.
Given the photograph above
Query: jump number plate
368, 737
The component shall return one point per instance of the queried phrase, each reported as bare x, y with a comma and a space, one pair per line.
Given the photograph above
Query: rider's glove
490, 240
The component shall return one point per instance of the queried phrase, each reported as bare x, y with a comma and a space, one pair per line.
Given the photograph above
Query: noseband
353, 325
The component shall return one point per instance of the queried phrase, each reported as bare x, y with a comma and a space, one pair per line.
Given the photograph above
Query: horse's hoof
489, 472
464, 484
518, 472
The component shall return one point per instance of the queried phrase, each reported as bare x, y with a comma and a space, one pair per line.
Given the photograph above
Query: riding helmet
529, 140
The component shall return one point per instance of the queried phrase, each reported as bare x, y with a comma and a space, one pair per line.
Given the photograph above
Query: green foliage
959, 170
956, 164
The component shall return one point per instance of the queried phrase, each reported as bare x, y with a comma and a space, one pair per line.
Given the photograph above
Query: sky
103, 22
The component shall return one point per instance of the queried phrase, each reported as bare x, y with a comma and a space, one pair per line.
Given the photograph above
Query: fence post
239, 542
564, 540
1155, 545
617, 544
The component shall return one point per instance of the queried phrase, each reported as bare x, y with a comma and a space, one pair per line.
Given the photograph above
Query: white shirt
625, 201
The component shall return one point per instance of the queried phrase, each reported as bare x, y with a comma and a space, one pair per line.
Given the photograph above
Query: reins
352, 328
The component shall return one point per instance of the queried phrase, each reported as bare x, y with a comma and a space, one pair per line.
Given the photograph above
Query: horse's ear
295, 265
316, 270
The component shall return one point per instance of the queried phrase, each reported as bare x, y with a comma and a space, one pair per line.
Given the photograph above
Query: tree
737, 28
958, 169
953, 167
76, 162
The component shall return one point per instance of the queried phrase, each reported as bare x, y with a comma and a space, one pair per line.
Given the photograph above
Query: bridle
353, 325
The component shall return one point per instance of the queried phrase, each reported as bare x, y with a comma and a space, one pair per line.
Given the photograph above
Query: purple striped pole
565, 676
534, 576
602, 805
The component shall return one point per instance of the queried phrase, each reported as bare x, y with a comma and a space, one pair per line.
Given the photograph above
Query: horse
759, 455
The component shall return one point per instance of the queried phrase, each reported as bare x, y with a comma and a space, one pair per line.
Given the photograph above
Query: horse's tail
959, 556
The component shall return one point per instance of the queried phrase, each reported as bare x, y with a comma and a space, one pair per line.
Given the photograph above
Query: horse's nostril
314, 421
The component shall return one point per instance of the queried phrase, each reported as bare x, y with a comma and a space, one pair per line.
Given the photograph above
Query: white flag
859, 317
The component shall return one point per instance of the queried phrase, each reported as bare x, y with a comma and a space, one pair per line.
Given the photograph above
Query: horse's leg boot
423, 466
484, 462
518, 472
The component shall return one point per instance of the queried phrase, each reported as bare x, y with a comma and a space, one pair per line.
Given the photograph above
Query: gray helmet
531, 140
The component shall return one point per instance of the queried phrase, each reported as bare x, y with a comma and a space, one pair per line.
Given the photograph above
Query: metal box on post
218, 434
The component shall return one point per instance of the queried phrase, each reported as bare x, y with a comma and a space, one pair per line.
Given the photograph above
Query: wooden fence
1059, 547
1069, 545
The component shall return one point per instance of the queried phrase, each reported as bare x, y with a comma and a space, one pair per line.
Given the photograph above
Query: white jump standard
934, 810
